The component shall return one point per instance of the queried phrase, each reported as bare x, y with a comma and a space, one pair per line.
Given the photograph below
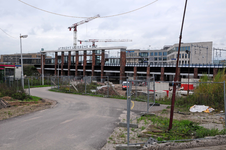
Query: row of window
183, 55
158, 53
160, 58
175, 49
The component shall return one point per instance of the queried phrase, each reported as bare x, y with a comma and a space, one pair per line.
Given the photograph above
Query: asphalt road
76, 122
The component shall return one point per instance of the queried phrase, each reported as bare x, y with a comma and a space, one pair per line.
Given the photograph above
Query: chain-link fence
37, 80
106, 86
12, 86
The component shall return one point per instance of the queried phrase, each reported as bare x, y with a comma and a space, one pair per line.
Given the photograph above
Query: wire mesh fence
15, 87
90, 85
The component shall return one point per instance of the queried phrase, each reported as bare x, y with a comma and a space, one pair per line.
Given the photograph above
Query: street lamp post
58, 74
22, 74
189, 55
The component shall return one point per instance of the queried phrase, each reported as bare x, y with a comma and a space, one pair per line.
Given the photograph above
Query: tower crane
104, 40
79, 23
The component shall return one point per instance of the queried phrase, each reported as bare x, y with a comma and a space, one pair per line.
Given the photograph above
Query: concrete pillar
43, 63
56, 61
62, 63
84, 63
148, 72
122, 64
195, 73
215, 70
162, 73
135, 73
102, 64
76, 64
93, 62
69, 63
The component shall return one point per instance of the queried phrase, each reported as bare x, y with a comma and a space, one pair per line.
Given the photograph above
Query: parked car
124, 85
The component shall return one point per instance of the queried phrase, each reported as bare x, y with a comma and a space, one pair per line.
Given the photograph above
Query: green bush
209, 94
13, 91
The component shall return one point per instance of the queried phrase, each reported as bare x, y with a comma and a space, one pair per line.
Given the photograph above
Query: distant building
15, 58
195, 53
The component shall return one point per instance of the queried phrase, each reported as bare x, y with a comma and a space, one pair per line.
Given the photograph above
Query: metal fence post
85, 84
148, 85
58, 82
224, 106
108, 86
28, 86
69, 84
128, 107
136, 83
154, 88
17, 85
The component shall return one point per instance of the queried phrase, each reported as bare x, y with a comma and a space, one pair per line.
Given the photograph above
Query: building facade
15, 58
193, 53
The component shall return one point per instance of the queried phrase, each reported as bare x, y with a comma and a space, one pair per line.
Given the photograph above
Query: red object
8, 65
185, 86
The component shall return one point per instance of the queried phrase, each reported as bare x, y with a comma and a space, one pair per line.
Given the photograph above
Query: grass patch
182, 129
33, 99
35, 86
88, 94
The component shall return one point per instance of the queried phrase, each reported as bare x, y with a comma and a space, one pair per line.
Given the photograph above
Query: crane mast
74, 26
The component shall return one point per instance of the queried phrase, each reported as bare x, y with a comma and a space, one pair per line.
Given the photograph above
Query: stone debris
214, 141
3, 104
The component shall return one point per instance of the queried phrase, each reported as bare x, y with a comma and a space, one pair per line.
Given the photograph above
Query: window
156, 58
156, 53
164, 58
160, 58
182, 55
185, 55
152, 54
164, 53
160, 53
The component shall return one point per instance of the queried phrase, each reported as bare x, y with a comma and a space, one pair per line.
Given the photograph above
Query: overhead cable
7, 33
86, 17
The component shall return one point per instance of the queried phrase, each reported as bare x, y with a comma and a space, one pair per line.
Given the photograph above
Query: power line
7, 33
86, 17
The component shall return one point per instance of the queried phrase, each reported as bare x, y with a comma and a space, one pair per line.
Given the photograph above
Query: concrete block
155, 104
147, 114
128, 147
122, 124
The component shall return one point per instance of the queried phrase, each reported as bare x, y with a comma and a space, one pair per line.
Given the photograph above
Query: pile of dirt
7, 98
104, 91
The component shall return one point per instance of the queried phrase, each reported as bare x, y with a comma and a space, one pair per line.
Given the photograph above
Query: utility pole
176, 74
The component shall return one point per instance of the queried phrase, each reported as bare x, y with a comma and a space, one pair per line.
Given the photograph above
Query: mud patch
20, 108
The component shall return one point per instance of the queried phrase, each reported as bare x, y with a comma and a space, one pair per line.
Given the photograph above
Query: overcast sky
150, 28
